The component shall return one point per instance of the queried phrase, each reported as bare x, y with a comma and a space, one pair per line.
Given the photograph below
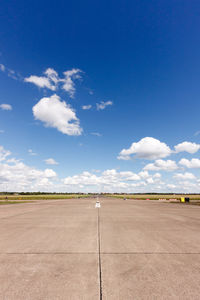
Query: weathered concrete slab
50, 250
147, 276
146, 226
49, 277
60, 227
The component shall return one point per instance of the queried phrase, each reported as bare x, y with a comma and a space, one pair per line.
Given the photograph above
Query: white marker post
98, 204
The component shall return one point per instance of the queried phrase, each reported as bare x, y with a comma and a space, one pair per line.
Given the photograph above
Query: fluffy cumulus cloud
4, 106
17, 176
51, 161
51, 80
3, 153
187, 147
193, 163
160, 164
147, 148
112, 180
102, 105
184, 176
57, 114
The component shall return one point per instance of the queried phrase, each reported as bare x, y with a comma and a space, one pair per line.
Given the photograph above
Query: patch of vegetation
154, 196
13, 202
41, 196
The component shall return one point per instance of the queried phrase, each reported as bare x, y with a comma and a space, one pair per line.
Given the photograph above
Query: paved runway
68, 249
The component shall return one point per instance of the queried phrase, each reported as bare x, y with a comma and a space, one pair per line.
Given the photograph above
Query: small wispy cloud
197, 133
70, 76
31, 152
51, 161
51, 80
10, 73
5, 106
102, 105
96, 133
2, 131
2, 67
86, 107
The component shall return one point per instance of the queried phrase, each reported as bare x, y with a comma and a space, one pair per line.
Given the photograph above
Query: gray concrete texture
148, 250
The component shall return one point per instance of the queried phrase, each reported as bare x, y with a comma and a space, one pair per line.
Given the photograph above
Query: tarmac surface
124, 250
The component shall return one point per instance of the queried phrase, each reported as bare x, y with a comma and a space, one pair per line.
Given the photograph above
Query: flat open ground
68, 249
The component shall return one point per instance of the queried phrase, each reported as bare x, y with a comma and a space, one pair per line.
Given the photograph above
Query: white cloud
123, 157
51, 161
2, 67
150, 180
157, 175
96, 133
144, 174
68, 81
147, 148
5, 106
10, 73
2, 131
86, 107
52, 75
41, 81
160, 164
187, 147
184, 176
197, 133
49, 173
31, 152
57, 114
171, 186
112, 180
3, 153
108, 177
193, 163
50, 80
102, 105
17, 176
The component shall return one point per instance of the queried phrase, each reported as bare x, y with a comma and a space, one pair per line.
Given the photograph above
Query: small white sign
98, 204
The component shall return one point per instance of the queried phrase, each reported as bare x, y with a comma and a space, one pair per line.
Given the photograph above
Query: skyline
104, 98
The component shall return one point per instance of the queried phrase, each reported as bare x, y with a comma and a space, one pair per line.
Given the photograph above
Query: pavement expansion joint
150, 253
46, 253
99, 242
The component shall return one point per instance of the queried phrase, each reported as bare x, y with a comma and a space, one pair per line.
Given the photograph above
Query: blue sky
81, 82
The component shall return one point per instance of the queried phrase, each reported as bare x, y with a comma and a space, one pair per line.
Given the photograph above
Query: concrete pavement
55, 250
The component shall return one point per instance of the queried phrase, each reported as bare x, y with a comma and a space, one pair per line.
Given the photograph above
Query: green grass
13, 202
153, 197
41, 197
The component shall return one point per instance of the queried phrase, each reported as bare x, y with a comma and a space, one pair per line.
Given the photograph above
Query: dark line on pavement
102, 253
99, 248
46, 253
149, 253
